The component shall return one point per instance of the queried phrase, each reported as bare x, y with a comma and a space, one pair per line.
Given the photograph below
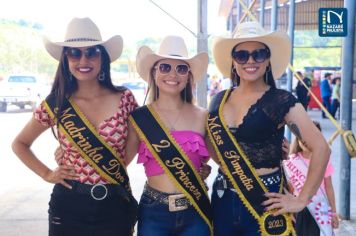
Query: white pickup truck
19, 90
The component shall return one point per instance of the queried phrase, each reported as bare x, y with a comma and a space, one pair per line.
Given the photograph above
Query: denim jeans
155, 219
327, 105
231, 217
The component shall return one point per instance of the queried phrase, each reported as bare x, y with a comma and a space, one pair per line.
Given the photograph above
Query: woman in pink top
89, 116
167, 206
310, 220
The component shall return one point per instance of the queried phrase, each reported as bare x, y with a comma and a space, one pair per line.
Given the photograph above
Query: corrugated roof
306, 12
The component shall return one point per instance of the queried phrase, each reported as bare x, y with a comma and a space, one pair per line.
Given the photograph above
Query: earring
268, 69
156, 92
101, 76
266, 78
70, 77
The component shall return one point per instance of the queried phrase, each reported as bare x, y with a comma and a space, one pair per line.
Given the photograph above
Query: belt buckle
172, 203
92, 192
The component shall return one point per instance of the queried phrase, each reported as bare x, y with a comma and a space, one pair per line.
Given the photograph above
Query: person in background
325, 91
225, 83
301, 91
312, 219
335, 97
89, 116
246, 129
215, 86
168, 136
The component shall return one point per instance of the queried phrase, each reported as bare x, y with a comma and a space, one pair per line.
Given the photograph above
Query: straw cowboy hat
82, 32
277, 41
172, 47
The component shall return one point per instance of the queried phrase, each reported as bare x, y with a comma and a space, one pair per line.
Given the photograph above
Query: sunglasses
165, 68
89, 53
258, 55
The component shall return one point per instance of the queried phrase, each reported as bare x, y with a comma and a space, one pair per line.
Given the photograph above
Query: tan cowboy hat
277, 41
82, 32
172, 47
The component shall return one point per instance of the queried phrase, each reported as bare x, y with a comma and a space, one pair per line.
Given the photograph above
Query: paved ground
24, 197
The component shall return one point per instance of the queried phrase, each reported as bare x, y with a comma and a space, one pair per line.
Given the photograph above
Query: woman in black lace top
246, 129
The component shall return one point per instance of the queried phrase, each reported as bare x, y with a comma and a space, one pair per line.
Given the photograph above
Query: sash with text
242, 174
172, 159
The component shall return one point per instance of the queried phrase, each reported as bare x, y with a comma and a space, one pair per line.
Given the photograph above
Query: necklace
171, 125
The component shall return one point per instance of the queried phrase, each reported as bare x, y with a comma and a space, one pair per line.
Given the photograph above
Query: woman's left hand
205, 170
335, 221
283, 203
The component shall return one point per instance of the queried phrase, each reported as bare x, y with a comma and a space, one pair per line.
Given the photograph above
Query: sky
132, 19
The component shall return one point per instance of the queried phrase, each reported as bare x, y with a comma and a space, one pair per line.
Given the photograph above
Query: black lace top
258, 134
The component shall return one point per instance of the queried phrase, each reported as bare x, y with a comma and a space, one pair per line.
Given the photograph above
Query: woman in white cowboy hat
246, 128
168, 135
88, 116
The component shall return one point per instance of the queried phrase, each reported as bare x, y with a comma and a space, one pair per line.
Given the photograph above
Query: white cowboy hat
277, 41
82, 32
172, 47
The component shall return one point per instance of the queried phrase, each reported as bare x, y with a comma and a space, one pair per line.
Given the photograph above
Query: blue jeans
155, 219
230, 216
327, 105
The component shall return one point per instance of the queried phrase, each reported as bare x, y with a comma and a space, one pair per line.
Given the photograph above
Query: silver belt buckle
172, 203
98, 198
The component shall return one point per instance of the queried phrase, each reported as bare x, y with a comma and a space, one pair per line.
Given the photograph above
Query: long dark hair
153, 91
65, 84
235, 78
295, 147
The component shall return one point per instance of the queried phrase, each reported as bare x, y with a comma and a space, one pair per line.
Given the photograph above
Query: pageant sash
242, 174
172, 158
296, 171
82, 134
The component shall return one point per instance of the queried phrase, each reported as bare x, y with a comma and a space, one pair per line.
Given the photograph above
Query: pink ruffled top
191, 142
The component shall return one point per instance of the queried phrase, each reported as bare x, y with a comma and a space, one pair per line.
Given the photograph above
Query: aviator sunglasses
258, 55
165, 68
89, 53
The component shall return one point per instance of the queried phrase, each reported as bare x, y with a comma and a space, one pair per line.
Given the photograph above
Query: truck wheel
3, 106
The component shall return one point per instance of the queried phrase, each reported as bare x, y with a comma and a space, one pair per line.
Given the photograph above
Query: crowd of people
100, 129
329, 92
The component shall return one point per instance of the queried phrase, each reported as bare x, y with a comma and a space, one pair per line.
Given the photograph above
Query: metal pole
202, 47
262, 13
346, 108
291, 22
238, 15
274, 15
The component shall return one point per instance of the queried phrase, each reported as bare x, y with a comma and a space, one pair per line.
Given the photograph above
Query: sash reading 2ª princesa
172, 159
242, 174
82, 134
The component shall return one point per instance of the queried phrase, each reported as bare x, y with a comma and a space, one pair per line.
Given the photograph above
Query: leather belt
97, 191
175, 202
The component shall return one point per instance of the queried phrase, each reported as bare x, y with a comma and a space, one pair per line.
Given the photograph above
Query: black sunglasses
258, 55
89, 53
165, 68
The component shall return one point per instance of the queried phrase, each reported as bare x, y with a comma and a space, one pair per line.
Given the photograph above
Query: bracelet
333, 213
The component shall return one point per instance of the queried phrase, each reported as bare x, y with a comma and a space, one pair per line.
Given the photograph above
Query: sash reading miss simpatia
242, 174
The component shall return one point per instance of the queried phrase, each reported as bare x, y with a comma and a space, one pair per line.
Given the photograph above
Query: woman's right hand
58, 155
60, 174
